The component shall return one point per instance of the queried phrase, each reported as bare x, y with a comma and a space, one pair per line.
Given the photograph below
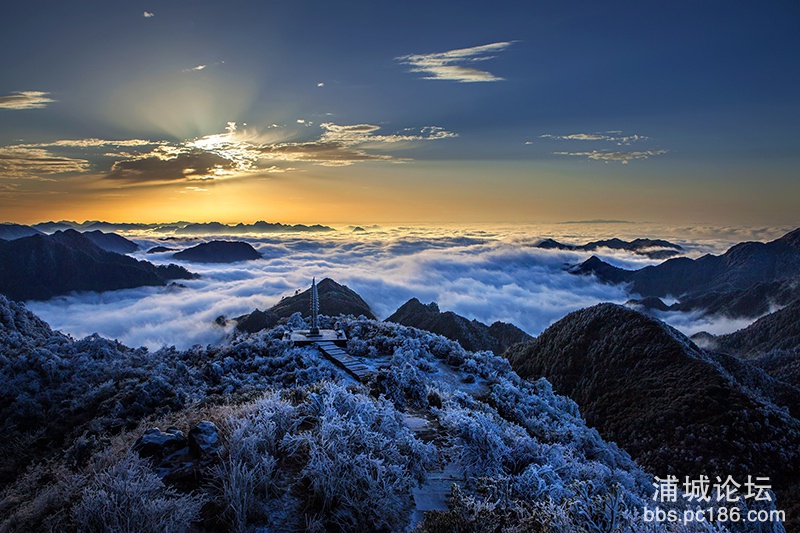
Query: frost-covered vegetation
304, 446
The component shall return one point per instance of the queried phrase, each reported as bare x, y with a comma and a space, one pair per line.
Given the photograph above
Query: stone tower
314, 309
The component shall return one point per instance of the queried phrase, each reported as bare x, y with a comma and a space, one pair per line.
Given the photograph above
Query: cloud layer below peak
488, 275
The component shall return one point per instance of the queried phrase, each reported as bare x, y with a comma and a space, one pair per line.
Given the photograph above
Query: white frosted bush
129, 498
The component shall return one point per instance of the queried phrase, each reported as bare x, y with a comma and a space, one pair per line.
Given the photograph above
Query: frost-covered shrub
362, 462
404, 383
128, 497
296, 321
301, 449
348, 455
53, 389
247, 476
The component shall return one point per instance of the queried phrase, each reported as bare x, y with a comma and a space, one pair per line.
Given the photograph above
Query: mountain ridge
471, 334
674, 407
640, 246
42, 266
218, 252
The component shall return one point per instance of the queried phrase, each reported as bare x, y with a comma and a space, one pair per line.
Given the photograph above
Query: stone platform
302, 337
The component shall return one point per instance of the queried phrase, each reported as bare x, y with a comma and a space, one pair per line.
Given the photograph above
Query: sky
376, 112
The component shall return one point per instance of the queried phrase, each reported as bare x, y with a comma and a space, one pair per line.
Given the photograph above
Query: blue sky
412, 111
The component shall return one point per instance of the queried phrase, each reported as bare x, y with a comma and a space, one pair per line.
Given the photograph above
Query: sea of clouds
483, 273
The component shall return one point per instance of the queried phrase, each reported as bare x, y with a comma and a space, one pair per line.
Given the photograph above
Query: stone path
432, 495
352, 365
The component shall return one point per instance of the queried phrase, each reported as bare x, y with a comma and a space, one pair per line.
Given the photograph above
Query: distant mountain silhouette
52, 227
217, 228
334, 300
180, 227
470, 334
111, 242
218, 252
9, 232
159, 249
751, 302
93, 225
741, 267
675, 408
42, 266
653, 248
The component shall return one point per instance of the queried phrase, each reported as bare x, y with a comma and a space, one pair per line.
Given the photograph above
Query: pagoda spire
314, 308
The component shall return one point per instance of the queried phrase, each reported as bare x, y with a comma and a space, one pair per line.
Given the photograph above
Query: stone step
354, 366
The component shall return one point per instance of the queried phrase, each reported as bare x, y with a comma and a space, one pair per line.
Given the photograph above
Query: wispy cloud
148, 15
22, 162
609, 136
614, 136
622, 157
456, 65
25, 100
92, 143
203, 66
341, 145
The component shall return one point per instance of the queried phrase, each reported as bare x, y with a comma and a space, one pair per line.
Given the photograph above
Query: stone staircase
352, 365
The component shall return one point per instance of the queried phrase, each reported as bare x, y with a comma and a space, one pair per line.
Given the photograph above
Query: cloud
234, 153
323, 153
697, 321
456, 65
25, 100
24, 162
93, 143
622, 157
203, 66
614, 136
148, 15
341, 145
160, 166
609, 136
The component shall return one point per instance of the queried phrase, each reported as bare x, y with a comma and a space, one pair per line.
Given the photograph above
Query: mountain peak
334, 300
219, 252
42, 266
649, 388
471, 334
